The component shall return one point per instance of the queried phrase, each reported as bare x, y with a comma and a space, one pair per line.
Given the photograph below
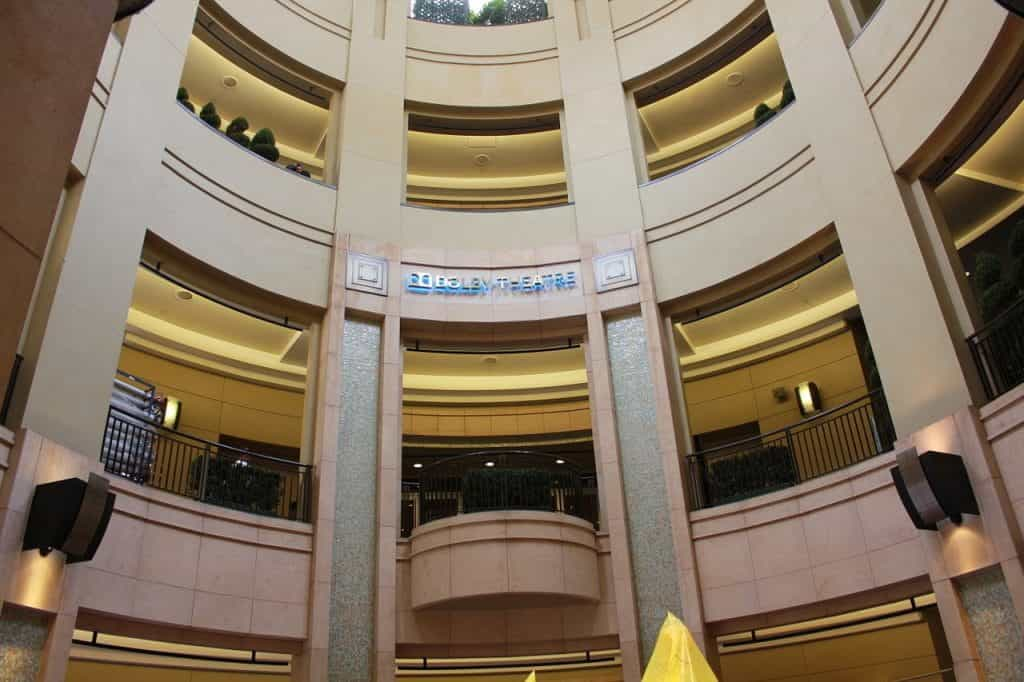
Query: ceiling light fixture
488, 464
481, 159
735, 79
559, 461
184, 295
417, 465
229, 81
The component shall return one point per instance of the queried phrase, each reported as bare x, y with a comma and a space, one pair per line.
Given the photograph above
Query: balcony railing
827, 442
518, 479
998, 350
202, 470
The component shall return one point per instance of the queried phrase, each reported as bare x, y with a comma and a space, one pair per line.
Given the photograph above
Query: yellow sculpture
532, 677
676, 657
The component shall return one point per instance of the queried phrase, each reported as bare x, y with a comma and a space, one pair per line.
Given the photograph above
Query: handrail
998, 351
186, 465
766, 436
221, 446
12, 380
150, 388
837, 438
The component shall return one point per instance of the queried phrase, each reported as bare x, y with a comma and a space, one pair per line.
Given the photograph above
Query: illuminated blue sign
429, 283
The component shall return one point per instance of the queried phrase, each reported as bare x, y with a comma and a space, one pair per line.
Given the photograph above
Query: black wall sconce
808, 398
70, 516
933, 487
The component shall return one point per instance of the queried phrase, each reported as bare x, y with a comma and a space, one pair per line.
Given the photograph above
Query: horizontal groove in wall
242, 205
652, 17
317, 20
773, 178
914, 40
422, 55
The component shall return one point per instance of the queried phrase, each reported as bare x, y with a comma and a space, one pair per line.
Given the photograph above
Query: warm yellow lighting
172, 413
488, 464
808, 398
417, 465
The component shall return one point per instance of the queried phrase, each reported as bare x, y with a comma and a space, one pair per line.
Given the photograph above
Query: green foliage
523, 11
1017, 239
787, 95
238, 125
490, 489
240, 138
264, 136
997, 298
210, 116
988, 270
234, 484
762, 114
494, 13
264, 144
442, 11
182, 97
737, 477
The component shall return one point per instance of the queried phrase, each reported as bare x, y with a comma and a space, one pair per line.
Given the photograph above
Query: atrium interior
496, 340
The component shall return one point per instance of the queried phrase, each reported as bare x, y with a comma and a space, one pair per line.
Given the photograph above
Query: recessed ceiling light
417, 465
184, 295
488, 464
559, 461
490, 360
229, 81
481, 159
735, 78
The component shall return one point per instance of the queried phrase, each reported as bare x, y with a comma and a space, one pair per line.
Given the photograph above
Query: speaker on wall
70, 516
933, 487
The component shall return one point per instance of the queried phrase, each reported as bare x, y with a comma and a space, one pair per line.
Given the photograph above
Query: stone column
311, 664
600, 154
371, 179
921, 368
75, 363
50, 58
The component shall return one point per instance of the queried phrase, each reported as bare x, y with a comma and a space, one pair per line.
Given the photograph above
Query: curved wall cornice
313, 33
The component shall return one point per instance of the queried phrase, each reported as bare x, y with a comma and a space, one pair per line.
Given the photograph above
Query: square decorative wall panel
615, 270
367, 273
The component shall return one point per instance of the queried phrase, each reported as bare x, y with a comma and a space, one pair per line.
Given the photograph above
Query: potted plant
182, 98
210, 116
236, 131
264, 144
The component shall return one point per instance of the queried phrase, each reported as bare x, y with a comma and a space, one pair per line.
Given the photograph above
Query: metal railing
518, 480
998, 351
202, 470
826, 442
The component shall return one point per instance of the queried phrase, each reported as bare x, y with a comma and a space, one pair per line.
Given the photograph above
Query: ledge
504, 558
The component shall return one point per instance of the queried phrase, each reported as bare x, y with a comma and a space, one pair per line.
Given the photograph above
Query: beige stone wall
745, 395
213, 404
436, 420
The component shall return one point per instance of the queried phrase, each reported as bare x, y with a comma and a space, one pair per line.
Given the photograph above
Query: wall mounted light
808, 398
933, 487
172, 413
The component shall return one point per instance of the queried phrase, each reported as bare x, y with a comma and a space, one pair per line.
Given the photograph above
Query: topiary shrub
988, 270
496, 489
265, 144
741, 476
236, 131
997, 298
182, 98
787, 95
210, 116
236, 484
762, 114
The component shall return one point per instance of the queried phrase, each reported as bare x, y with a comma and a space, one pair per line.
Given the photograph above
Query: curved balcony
157, 457
827, 442
495, 481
